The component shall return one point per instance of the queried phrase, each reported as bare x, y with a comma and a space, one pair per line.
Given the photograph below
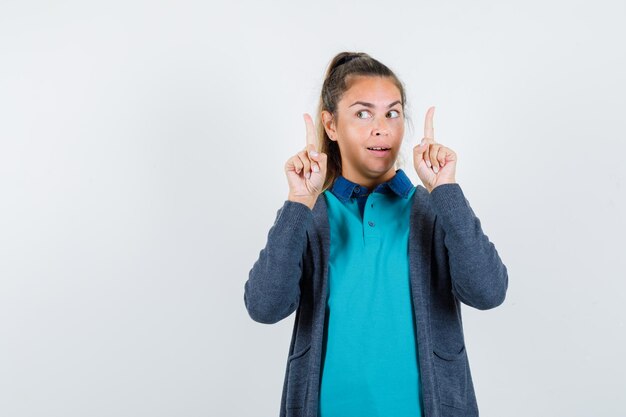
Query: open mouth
379, 151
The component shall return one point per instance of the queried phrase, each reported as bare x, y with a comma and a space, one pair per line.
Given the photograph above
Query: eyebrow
371, 105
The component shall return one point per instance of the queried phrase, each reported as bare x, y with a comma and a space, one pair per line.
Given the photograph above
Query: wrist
443, 183
307, 201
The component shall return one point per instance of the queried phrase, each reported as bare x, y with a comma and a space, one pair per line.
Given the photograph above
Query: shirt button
357, 189
371, 223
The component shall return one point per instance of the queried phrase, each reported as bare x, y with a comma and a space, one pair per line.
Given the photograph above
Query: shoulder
421, 198
320, 209
422, 210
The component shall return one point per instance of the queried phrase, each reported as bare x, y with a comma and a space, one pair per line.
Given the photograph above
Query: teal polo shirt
369, 363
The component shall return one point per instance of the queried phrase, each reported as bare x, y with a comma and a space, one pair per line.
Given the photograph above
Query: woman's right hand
306, 171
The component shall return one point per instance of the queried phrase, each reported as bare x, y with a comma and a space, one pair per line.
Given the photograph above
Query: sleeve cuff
294, 214
448, 197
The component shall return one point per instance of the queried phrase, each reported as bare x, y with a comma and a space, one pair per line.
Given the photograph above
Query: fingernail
308, 175
316, 168
436, 169
428, 163
314, 153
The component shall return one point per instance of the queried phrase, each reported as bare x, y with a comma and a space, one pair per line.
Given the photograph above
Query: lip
379, 153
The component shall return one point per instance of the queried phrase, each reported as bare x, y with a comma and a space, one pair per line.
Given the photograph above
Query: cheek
354, 135
399, 133
399, 128
353, 129
396, 132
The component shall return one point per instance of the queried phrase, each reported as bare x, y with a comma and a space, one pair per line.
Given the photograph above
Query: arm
272, 291
479, 278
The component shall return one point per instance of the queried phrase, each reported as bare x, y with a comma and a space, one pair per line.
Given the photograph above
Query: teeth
378, 149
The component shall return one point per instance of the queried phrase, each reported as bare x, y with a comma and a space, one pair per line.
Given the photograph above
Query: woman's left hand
434, 163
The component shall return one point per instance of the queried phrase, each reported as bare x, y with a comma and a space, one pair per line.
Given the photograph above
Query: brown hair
336, 83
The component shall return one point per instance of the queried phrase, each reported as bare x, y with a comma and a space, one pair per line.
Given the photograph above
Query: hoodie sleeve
272, 291
479, 278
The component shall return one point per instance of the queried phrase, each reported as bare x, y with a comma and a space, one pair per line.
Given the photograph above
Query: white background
142, 148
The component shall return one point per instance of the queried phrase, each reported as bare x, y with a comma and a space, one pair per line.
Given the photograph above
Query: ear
329, 125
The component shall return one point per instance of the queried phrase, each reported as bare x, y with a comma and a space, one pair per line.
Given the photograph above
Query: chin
382, 171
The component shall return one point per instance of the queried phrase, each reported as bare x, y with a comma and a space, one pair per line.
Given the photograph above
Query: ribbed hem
448, 197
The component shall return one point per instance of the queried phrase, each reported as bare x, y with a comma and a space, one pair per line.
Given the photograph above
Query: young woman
374, 267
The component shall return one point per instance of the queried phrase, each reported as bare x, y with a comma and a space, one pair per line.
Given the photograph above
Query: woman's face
369, 115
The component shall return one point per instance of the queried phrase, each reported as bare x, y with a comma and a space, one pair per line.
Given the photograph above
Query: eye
361, 112
396, 112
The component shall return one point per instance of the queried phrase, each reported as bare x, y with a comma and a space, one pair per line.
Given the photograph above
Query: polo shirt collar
345, 189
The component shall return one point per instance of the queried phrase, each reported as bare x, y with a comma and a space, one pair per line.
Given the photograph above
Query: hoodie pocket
451, 371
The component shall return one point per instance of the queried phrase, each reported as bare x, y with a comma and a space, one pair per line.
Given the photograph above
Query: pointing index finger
311, 136
429, 130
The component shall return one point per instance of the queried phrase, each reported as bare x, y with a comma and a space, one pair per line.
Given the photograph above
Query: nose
381, 127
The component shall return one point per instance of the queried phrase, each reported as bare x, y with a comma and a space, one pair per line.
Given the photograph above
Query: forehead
372, 89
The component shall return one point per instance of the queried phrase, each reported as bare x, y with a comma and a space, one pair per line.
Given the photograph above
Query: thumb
310, 148
420, 148
320, 159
